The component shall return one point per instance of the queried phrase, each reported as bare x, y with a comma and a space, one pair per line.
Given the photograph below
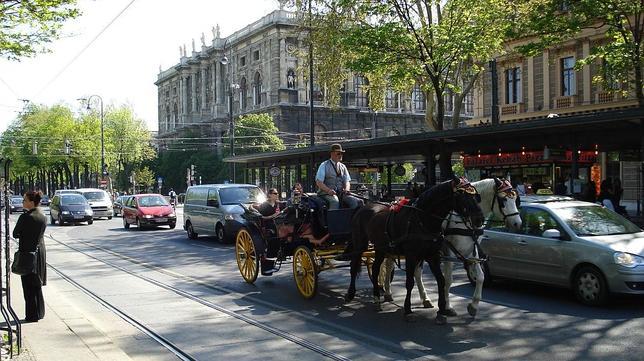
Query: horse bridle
500, 202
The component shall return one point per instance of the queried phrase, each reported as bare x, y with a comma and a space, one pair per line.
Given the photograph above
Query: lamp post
231, 87
89, 99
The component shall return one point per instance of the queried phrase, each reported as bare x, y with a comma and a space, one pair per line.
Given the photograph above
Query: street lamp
88, 100
231, 87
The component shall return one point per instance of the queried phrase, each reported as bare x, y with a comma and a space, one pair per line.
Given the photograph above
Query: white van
99, 200
214, 209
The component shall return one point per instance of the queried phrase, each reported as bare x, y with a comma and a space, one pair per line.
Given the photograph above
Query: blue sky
122, 64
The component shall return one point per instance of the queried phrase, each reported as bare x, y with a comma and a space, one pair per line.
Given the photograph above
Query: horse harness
506, 188
470, 231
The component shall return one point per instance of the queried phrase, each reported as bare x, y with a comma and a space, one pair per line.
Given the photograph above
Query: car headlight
148, 216
627, 259
65, 212
229, 217
172, 215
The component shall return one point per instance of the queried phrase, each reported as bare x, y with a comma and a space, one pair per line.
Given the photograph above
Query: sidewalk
66, 333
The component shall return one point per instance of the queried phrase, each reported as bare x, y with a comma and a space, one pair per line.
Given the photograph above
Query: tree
144, 177
621, 55
256, 133
27, 26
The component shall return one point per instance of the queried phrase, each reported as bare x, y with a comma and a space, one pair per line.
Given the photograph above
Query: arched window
243, 91
257, 89
360, 83
418, 99
320, 133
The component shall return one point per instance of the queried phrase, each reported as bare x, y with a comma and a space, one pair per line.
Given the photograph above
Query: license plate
78, 217
160, 220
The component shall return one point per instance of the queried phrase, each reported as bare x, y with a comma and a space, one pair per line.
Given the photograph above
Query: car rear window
95, 196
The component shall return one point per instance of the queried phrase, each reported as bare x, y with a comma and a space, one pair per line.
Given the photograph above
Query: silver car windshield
244, 195
95, 196
595, 221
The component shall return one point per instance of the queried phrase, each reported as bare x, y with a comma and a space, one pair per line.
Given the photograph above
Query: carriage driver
333, 178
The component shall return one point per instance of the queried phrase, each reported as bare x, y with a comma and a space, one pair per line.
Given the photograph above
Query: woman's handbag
24, 263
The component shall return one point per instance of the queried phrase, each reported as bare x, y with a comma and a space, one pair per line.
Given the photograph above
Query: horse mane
485, 186
428, 198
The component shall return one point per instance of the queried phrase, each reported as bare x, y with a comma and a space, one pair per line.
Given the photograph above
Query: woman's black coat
29, 230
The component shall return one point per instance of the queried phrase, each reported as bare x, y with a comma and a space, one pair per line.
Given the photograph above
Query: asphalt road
141, 272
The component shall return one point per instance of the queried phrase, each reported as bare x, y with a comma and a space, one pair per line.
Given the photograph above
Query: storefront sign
487, 160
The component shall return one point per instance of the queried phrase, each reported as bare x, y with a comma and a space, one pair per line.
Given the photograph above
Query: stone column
213, 85
282, 69
546, 80
531, 84
183, 94
586, 81
193, 91
203, 87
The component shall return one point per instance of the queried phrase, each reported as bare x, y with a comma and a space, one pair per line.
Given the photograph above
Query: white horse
497, 199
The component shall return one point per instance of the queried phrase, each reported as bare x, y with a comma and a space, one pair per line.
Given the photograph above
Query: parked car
148, 210
567, 243
15, 204
117, 206
70, 208
99, 200
215, 209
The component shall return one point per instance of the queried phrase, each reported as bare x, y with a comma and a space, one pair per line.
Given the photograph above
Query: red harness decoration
396, 207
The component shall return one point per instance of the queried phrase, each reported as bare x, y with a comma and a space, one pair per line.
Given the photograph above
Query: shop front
547, 169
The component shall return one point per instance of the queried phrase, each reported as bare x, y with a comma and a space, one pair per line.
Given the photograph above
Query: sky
122, 64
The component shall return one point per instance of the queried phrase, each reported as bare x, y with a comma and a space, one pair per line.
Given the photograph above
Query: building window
449, 101
242, 61
257, 89
610, 80
174, 90
391, 99
167, 118
418, 99
209, 88
568, 83
318, 93
513, 85
167, 94
243, 94
256, 55
344, 94
197, 92
469, 103
175, 116
360, 83
291, 81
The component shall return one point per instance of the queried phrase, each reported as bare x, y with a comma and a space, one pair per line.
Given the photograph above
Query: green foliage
27, 26
459, 169
256, 133
144, 177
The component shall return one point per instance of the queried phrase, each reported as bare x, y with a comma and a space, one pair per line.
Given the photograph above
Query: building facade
265, 70
549, 85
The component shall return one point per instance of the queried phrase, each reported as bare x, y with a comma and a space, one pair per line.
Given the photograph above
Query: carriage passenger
332, 179
270, 206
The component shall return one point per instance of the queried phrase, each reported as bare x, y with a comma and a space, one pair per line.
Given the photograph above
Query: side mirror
552, 233
212, 203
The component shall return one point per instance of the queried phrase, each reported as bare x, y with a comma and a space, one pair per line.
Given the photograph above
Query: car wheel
91, 221
590, 287
110, 217
172, 225
60, 220
191, 231
125, 224
138, 223
51, 219
221, 235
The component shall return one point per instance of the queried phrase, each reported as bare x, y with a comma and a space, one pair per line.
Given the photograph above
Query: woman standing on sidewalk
30, 229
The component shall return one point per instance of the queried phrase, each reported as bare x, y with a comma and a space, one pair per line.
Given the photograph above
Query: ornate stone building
267, 74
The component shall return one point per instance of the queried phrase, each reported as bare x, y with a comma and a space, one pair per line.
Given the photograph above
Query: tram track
249, 320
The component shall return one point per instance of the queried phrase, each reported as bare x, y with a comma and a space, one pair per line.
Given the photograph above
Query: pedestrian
332, 179
173, 197
590, 193
522, 187
29, 231
606, 194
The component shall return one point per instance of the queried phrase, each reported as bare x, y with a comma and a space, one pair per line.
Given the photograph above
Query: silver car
578, 245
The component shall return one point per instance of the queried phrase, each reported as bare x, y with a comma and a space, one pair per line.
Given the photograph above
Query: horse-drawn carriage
304, 233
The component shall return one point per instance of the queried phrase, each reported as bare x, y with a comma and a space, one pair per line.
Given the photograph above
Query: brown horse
413, 232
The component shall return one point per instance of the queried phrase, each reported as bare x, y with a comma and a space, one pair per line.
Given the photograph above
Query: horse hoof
410, 317
441, 319
448, 312
428, 304
471, 310
388, 298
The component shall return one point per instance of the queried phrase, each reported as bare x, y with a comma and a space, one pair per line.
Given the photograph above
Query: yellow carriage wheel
305, 272
247, 259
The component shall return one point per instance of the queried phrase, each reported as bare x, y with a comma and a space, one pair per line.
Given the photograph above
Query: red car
148, 210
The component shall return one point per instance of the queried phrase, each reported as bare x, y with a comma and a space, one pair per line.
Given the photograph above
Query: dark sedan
70, 208
118, 204
15, 204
